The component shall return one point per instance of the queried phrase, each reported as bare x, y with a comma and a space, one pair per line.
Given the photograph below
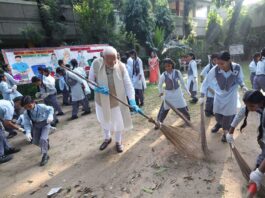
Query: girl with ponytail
254, 101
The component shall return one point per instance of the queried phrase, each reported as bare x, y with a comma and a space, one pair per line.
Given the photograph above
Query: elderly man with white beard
112, 77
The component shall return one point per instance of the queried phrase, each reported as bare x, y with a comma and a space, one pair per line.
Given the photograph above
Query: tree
187, 27
234, 20
163, 19
214, 29
32, 35
51, 17
96, 20
139, 19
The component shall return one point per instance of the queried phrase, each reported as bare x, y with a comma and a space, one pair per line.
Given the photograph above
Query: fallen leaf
147, 190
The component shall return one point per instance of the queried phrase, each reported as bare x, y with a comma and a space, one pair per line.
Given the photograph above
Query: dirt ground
149, 166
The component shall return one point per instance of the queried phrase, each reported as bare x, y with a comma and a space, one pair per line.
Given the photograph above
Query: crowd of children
124, 77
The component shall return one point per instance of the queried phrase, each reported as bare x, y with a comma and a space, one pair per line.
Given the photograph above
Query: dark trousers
3, 143
193, 93
259, 82
66, 97
252, 76
209, 106
75, 106
139, 97
224, 121
163, 113
51, 100
40, 135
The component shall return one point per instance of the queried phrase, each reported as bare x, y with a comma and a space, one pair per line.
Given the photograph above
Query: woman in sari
154, 68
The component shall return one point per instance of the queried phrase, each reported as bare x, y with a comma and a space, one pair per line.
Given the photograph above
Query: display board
25, 62
236, 49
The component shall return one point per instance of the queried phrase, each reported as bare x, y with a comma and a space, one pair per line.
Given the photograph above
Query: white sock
107, 134
118, 137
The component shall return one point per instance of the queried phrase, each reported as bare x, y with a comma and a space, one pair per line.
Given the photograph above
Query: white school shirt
139, 83
204, 73
252, 67
225, 102
175, 96
261, 67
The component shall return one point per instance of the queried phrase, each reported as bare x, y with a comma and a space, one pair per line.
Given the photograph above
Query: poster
236, 49
25, 62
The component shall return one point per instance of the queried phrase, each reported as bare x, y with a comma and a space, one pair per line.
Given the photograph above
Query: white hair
110, 51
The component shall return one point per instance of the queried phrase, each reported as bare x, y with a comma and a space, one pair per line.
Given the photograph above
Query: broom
184, 140
245, 170
202, 134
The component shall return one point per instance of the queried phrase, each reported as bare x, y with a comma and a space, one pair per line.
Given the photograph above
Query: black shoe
60, 114
86, 113
48, 144
194, 100
73, 117
216, 128
104, 144
119, 147
208, 114
44, 160
11, 135
5, 158
223, 138
156, 127
11, 151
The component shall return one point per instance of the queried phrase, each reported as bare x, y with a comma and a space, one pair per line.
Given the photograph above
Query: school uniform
261, 140
210, 91
112, 115
78, 92
259, 79
7, 92
252, 68
138, 80
192, 83
49, 92
35, 122
173, 94
226, 96
6, 113
65, 91
87, 91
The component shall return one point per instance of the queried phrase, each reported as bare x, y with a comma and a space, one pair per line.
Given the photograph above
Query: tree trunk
186, 24
232, 26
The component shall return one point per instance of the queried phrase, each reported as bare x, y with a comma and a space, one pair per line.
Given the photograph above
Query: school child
254, 101
37, 120
8, 93
253, 67
65, 89
226, 76
210, 90
48, 94
259, 79
172, 78
192, 83
138, 78
81, 71
9, 78
6, 115
77, 91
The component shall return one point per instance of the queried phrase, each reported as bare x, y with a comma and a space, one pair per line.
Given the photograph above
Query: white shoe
52, 130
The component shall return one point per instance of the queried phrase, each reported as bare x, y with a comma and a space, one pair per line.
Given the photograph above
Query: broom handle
115, 97
179, 114
252, 190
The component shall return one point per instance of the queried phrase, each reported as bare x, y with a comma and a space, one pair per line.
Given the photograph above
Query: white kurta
139, 80
194, 77
82, 72
225, 102
204, 73
116, 123
77, 92
174, 97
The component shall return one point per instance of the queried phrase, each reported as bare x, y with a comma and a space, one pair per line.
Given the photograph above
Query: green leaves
95, 20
